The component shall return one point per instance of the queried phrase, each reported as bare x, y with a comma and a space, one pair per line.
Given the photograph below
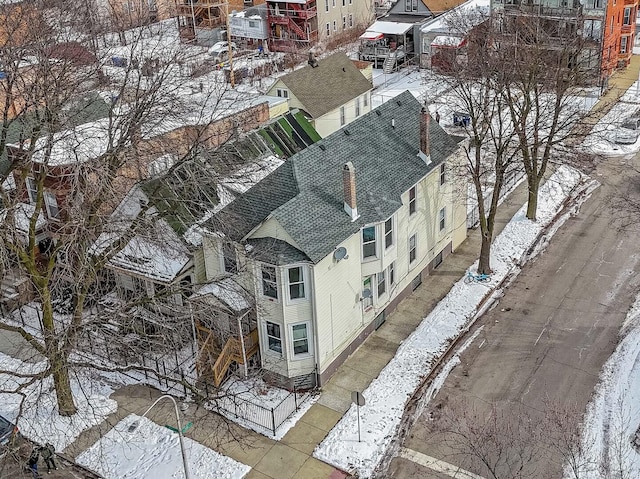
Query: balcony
543, 10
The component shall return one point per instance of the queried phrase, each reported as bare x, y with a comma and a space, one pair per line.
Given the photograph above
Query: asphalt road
541, 348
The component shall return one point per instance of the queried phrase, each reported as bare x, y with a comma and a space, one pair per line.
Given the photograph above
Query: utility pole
228, 23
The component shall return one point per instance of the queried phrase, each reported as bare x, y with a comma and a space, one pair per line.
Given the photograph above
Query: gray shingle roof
334, 82
305, 194
275, 251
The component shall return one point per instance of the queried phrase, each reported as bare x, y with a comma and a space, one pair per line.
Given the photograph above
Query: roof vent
322, 147
378, 112
347, 132
399, 103
312, 60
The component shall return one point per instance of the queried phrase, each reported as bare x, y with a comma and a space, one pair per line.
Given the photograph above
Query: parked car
8, 431
628, 132
222, 47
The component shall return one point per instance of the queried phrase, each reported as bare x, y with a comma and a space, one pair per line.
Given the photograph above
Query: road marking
437, 465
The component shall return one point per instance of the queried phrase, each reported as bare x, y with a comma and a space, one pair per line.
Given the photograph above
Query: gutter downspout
314, 321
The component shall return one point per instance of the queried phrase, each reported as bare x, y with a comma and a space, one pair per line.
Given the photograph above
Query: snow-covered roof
159, 259
390, 28
22, 214
444, 21
227, 291
83, 143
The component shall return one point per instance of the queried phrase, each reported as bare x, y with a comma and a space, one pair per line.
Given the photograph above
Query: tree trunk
532, 203
58, 358
484, 265
60, 369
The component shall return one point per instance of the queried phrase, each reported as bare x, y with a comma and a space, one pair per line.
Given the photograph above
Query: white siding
330, 122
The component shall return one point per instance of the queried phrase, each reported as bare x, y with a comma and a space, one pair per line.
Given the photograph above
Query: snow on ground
613, 415
388, 394
153, 451
602, 139
37, 416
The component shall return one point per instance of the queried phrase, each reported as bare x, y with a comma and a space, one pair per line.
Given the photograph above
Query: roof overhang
389, 28
371, 36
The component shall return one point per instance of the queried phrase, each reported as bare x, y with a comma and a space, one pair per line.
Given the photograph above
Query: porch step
390, 62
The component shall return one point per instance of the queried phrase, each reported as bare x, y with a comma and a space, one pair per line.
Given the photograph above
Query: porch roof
390, 28
447, 41
228, 292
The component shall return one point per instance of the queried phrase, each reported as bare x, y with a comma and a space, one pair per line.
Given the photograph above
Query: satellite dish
366, 293
340, 253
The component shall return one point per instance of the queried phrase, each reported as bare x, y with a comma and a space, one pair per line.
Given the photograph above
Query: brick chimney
425, 141
349, 186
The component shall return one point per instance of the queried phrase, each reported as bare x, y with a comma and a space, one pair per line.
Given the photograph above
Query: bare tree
68, 176
543, 60
474, 89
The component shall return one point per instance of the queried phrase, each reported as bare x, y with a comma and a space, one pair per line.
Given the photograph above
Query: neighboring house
295, 24
394, 38
337, 235
126, 14
332, 93
249, 26
448, 32
618, 30
608, 28
166, 265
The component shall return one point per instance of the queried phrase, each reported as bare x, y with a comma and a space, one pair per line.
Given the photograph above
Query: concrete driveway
543, 345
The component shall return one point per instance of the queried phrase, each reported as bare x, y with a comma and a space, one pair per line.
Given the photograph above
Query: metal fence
175, 372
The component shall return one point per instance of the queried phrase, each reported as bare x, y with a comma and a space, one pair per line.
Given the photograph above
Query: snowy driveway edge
391, 391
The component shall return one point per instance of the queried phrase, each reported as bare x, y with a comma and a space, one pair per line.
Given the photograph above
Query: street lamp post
182, 448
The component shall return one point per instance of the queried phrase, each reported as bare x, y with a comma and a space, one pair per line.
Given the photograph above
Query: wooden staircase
390, 62
232, 353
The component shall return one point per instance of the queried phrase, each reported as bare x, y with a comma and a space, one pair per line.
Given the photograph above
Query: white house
332, 92
335, 237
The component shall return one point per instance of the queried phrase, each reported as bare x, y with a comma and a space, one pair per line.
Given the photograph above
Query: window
328, 29
344, 3
369, 242
623, 44
296, 283
32, 189
627, 16
412, 249
391, 272
412, 200
229, 258
326, 5
281, 92
52, 205
365, 99
253, 24
442, 218
388, 233
357, 104
611, 27
344, 23
274, 337
366, 285
300, 338
335, 26
343, 118
443, 174
269, 283
382, 284
333, 3
410, 5
350, 17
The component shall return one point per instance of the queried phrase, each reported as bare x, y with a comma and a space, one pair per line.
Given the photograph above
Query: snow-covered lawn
152, 451
39, 419
244, 401
613, 415
388, 394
